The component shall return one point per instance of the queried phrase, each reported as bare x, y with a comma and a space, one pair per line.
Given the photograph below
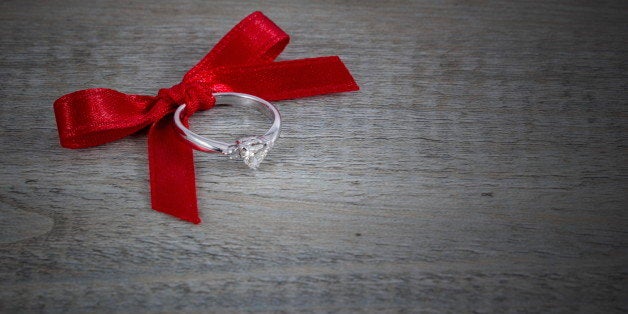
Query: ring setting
252, 149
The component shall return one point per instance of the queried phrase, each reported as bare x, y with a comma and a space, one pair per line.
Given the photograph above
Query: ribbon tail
289, 79
172, 179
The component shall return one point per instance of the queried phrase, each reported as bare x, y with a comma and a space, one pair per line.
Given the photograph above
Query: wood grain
483, 166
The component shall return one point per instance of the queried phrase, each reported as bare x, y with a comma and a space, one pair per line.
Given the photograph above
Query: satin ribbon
242, 61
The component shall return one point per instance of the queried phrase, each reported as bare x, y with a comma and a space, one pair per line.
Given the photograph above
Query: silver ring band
251, 149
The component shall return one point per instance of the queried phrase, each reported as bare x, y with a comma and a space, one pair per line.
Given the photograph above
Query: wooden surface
482, 167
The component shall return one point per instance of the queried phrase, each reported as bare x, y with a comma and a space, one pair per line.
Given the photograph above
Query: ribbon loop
242, 61
256, 39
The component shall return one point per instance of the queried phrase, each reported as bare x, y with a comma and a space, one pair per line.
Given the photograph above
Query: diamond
251, 149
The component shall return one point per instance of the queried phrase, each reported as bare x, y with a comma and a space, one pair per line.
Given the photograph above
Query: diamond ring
252, 149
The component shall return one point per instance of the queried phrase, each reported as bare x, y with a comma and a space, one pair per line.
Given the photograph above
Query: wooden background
482, 167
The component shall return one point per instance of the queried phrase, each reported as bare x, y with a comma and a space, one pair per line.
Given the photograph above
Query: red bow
242, 61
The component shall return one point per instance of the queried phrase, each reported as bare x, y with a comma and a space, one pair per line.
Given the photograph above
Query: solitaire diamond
251, 149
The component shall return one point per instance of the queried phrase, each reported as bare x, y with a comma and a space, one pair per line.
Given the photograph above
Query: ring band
251, 149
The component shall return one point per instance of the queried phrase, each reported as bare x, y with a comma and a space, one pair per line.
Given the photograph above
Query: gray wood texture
482, 167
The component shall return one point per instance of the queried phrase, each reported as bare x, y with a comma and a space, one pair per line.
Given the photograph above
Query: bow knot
196, 96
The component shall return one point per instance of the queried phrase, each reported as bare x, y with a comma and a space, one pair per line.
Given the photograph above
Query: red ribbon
242, 61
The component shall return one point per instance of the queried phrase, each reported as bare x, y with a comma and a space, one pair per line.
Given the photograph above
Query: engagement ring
251, 149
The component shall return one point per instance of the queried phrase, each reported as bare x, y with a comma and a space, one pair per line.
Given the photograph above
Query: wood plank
482, 167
